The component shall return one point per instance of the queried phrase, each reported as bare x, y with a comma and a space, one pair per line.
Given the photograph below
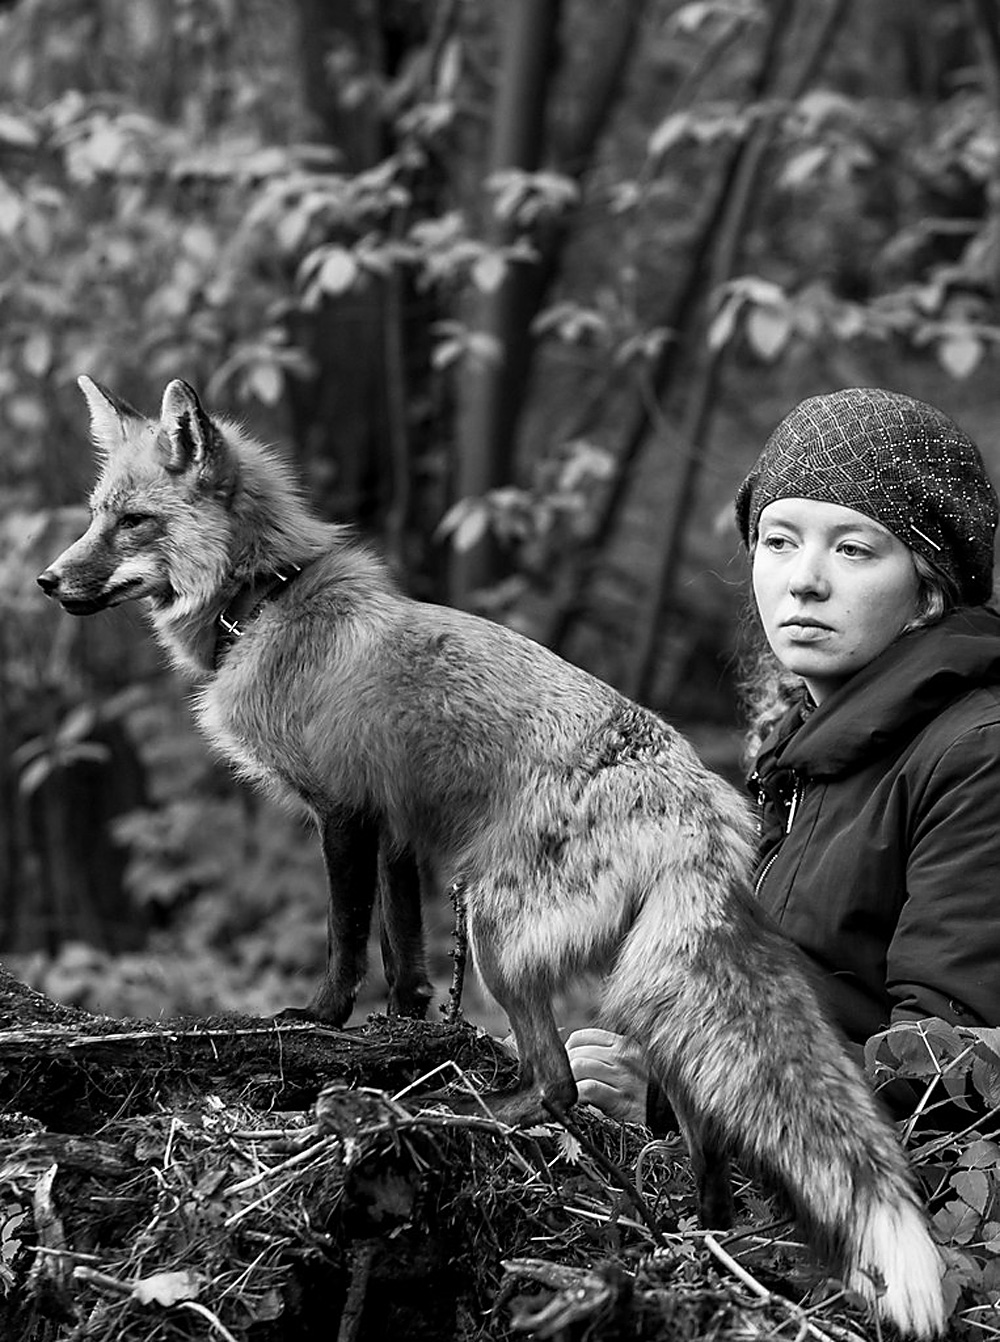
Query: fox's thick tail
733, 1028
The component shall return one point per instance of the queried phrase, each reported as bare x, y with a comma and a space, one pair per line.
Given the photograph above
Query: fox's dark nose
48, 582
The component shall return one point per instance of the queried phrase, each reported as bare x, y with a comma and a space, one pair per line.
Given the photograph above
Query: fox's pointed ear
189, 437
108, 413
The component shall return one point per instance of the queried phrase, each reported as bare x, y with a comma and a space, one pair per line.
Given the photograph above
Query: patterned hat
897, 460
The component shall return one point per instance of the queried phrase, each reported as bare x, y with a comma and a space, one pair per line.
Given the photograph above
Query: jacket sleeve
944, 959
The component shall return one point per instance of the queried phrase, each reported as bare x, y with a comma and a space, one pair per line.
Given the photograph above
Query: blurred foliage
181, 194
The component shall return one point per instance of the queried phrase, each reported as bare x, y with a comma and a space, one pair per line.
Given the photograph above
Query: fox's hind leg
401, 882
710, 1167
350, 851
545, 1072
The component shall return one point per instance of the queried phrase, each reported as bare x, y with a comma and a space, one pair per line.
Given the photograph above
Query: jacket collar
890, 699
248, 602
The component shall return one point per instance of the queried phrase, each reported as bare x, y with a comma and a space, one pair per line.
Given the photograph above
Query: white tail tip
896, 1244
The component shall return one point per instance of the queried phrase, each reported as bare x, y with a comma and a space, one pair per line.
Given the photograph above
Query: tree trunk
492, 392
494, 395
746, 184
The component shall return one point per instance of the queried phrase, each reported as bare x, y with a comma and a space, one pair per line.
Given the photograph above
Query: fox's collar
247, 604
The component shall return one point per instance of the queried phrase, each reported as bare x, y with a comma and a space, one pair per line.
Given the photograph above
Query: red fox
584, 831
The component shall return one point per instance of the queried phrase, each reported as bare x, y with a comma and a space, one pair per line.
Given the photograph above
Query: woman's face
833, 587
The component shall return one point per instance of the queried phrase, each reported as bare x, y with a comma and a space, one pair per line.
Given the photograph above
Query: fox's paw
304, 1016
295, 1014
520, 1109
517, 1109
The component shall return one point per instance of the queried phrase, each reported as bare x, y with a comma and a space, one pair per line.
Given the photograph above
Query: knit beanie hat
897, 460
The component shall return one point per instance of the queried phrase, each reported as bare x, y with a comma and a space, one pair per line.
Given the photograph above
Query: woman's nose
808, 576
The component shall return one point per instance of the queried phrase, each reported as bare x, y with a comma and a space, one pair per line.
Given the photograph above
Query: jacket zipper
793, 807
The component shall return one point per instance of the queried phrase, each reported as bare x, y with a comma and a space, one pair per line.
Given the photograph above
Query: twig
357, 1290
217, 1324
249, 1207
608, 1166
660, 1144
75, 1255
758, 1289
932, 1085
129, 1037
447, 1065
977, 1124
107, 1283
299, 1158
308, 1130
453, 1011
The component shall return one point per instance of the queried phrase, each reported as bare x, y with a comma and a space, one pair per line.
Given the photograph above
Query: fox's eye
129, 521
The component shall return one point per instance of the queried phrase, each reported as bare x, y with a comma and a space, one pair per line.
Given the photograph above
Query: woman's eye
854, 551
776, 543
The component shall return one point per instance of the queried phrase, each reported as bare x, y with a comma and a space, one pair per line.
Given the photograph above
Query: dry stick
932, 1085
357, 1290
453, 1011
918, 1153
759, 1290
214, 1322
132, 1036
609, 1167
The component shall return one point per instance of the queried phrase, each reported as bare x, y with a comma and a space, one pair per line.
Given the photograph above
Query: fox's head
159, 510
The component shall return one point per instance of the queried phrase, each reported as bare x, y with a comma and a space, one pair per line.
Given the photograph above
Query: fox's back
451, 727
349, 666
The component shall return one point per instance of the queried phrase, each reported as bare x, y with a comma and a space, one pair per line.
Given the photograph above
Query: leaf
803, 165
266, 381
36, 353
27, 412
946, 1041
956, 1221
668, 133
449, 68
723, 324
489, 272
472, 528
690, 17
920, 1049
35, 775
10, 1242
16, 131
986, 1077
959, 353
981, 1155
569, 1147
768, 330
269, 1307
338, 271
973, 1187
447, 352
167, 1288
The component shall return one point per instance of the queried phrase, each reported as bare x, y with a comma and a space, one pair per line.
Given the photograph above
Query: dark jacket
880, 831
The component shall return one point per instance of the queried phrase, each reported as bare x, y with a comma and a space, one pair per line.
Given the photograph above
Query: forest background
521, 287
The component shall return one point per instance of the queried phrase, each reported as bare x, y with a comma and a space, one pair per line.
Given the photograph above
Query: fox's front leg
403, 882
350, 852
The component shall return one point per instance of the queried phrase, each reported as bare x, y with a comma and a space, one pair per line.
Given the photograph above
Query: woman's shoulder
970, 724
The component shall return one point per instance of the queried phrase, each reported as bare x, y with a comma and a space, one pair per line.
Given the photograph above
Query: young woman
870, 520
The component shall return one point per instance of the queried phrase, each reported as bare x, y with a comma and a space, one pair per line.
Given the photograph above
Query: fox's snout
91, 576
76, 602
